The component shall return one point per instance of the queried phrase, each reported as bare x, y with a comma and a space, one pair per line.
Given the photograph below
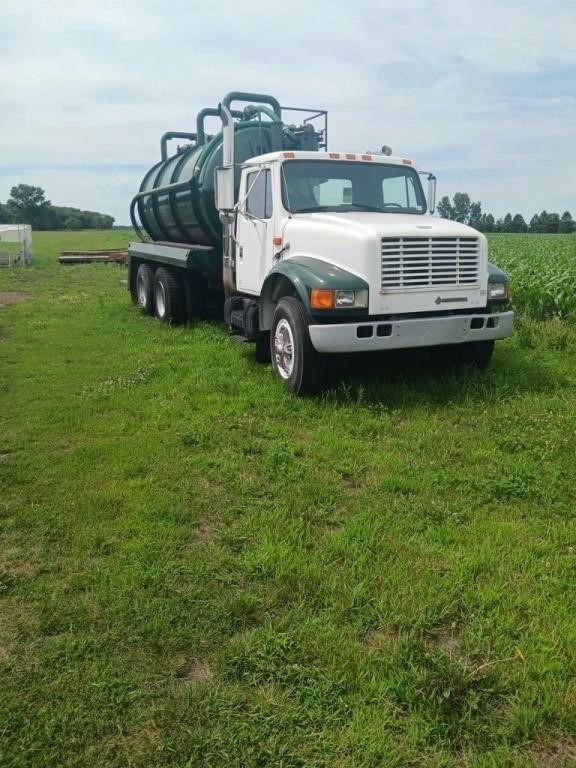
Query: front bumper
415, 332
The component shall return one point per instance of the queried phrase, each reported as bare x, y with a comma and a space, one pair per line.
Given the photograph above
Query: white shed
19, 235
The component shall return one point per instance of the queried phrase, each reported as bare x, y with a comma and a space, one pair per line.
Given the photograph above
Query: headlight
324, 298
352, 298
498, 291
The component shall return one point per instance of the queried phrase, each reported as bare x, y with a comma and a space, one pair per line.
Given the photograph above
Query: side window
259, 200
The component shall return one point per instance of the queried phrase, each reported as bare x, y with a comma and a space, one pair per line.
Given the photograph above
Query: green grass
197, 569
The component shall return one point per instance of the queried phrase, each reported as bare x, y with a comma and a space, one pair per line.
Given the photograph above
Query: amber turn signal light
321, 298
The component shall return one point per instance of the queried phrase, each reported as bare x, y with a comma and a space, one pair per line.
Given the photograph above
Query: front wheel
294, 359
470, 354
476, 354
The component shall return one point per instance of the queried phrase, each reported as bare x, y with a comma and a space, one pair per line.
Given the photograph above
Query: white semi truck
315, 252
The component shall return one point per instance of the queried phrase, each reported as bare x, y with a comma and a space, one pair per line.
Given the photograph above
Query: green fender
496, 275
296, 277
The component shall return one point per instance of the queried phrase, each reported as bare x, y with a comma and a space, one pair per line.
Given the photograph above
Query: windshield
328, 185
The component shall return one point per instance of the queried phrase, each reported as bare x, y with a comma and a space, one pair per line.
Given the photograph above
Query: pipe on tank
209, 112
251, 111
177, 187
259, 98
173, 135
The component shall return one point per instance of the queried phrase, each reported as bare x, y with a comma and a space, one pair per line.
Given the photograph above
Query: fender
496, 275
296, 277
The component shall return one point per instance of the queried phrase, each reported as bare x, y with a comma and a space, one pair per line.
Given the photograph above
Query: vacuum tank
176, 198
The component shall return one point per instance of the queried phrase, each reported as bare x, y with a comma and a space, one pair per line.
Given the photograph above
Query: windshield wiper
367, 207
313, 209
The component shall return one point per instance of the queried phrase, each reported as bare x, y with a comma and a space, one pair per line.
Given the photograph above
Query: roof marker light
289, 155
350, 157
334, 155
366, 157
407, 162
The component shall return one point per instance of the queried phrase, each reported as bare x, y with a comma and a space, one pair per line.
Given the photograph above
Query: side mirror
224, 188
431, 196
431, 192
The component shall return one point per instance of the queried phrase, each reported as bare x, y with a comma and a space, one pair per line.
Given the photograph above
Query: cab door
254, 234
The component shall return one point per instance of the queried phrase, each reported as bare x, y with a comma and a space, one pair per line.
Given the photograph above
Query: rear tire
168, 297
145, 289
294, 360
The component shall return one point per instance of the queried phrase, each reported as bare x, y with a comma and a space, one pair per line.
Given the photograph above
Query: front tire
476, 354
168, 297
294, 360
469, 354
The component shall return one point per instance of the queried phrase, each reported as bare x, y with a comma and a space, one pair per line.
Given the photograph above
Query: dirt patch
378, 640
448, 642
198, 673
13, 566
204, 532
561, 754
13, 297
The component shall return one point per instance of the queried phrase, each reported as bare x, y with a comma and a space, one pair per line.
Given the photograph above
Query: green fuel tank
176, 198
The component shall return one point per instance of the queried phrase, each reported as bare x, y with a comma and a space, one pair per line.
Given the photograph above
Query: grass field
197, 569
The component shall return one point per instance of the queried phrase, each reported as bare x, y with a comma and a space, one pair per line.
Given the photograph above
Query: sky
483, 93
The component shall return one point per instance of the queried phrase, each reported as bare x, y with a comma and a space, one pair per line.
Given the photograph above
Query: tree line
28, 205
467, 212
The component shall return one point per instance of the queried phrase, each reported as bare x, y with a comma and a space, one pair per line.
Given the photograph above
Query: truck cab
347, 246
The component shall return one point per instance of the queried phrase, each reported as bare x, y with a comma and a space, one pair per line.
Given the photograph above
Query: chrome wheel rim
284, 349
160, 300
141, 291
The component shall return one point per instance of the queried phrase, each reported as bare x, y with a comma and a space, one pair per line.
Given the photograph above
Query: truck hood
353, 242
381, 224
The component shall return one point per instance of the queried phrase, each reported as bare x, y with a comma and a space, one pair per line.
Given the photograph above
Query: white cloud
475, 91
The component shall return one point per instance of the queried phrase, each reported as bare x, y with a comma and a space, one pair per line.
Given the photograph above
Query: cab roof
366, 157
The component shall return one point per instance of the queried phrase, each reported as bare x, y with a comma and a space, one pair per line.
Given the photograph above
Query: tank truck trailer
314, 252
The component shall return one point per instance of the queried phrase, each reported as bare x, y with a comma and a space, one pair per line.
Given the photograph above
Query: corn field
542, 269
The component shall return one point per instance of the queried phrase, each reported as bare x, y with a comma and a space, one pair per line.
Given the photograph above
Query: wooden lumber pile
116, 255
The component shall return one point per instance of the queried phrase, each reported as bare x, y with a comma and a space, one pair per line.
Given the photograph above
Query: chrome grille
422, 262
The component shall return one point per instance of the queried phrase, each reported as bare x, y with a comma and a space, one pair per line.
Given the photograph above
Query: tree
27, 203
486, 223
567, 224
5, 215
72, 222
518, 224
475, 215
445, 208
553, 224
534, 225
461, 207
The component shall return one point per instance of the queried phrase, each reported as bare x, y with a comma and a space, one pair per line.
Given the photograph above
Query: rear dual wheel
145, 289
160, 293
168, 297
